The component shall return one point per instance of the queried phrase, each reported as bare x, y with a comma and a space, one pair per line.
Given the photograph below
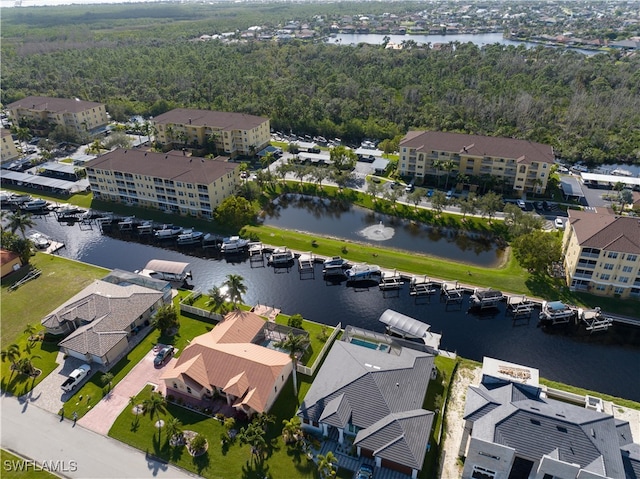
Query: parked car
364, 472
163, 355
76, 377
429, 193
559, 223
449, 194
522, 204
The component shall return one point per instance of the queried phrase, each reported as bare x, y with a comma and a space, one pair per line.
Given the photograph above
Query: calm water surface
607, 362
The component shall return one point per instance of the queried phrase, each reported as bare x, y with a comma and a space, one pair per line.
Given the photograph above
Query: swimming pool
369, 344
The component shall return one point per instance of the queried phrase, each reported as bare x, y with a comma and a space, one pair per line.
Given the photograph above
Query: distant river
479, 39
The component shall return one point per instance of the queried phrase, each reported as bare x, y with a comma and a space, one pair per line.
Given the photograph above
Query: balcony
585, 264
590, 255
582, 276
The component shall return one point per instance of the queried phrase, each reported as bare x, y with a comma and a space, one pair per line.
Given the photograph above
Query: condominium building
601, 254
518, 165
168, 181
232, 133
9, 149
41, 112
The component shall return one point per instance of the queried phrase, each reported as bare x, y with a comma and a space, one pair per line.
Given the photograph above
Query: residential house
170, 181
601, 254
513, 430
518, 165
232, 360
232, 133
100, 321
9, 149
9, 262
371, 395
41, 113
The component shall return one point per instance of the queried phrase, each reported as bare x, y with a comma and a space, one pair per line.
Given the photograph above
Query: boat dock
594, 320
306, 268
391, 280
519, 307
451, 292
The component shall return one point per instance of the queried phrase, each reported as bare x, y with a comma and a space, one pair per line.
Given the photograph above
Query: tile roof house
602, 253
375, 398
231, 361
101, 319
515, 431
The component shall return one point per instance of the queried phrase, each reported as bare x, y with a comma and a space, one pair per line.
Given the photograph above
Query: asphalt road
70, 450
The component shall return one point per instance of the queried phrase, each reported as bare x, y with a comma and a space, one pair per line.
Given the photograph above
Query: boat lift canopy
164, 267
405, 325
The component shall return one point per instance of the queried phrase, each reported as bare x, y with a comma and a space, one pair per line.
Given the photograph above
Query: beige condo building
233, 133
521, 166
9, 149
41, 112
601, 254
172, 181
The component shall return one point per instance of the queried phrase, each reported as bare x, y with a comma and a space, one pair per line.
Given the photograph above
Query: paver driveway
103, 415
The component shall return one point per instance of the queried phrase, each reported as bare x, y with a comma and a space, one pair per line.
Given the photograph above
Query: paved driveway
103, 415
48, 395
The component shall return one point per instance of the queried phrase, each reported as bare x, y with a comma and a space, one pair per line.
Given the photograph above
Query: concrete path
73, 451
103, 415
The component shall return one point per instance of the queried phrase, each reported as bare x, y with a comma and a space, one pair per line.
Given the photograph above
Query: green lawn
17, 468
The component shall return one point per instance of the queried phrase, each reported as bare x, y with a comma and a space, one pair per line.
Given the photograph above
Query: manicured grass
17, 468
82, 200
315, 343
582, 392
228, 462
30, 303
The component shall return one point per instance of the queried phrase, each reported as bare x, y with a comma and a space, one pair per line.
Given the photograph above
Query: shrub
295, 321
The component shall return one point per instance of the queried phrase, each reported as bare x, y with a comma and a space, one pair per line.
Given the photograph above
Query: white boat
39, 240
233, 244
168, 231
34, 205
126, 224
594, 319
335, 262
281, 256
190, 237
485, 298
146, 228
363, 271
621, 172
556, 312
68, 210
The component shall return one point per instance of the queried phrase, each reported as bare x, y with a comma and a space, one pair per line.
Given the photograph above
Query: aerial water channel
606, 362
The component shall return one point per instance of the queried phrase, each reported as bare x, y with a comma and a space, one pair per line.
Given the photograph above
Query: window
605, 277
608, 266
632, 257
175, 385
627, 269
482, 473
623, 279
618, 290
612, 255
188, 389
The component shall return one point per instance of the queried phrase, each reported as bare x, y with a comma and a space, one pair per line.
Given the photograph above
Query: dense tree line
587, 107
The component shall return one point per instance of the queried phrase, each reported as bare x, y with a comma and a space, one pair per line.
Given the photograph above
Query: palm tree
11, 354
437, 164
236, 287
448, 166
326, 465
291, 429
253, 435
217, 301
155, 405
295, 344
25, 365
173, 427
106, 379
19, 221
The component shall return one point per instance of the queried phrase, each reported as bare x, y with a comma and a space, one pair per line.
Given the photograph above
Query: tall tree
154, 406
537, 251
20, 221
236, 288
327, 466
296, 345
253, 435
490, 204
166, 319
217, 301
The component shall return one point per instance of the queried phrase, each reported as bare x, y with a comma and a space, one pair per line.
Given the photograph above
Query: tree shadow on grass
201, 462
255, 470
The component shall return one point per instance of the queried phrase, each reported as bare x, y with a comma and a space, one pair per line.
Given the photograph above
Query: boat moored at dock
39, 240
234, 244
594, 319
168, 232
363, 272
34, 205
281, 257
556, 312
335, 262
485, 298
188, 237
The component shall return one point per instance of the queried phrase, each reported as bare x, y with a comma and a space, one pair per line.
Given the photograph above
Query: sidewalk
73, 451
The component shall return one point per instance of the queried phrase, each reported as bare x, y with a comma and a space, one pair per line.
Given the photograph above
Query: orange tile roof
7, 256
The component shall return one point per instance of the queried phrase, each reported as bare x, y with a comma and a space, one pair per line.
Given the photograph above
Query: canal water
324, 217
607, 362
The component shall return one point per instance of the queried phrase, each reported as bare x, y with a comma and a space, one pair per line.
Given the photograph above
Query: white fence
187, 308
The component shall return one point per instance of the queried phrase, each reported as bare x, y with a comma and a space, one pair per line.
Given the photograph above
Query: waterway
607, 362
480, 39
315, 215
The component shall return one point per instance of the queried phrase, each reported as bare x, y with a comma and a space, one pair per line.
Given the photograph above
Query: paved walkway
73, 451
103, 415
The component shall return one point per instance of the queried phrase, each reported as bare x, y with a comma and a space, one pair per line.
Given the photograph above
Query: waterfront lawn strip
315, 343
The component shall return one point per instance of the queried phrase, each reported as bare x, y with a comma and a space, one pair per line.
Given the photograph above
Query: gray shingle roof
538, 426
222, 120
631, 460
337, 412
605, 231
399, 437
57, 105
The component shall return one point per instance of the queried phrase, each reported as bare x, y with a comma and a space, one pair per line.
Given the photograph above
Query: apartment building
519, 165
9, 149
233, 133
41, 112
170, 181
601, 254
